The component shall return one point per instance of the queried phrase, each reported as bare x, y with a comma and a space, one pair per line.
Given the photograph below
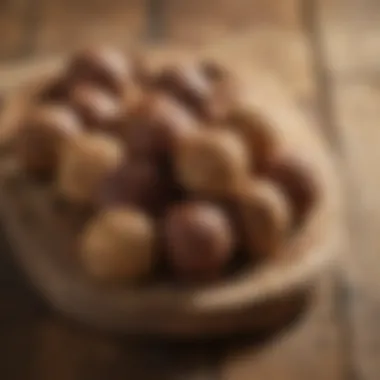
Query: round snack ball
42, 135
137, 183
266, 217
55, 90
118, 245
105, 67
295, 176
189, 84
144, 69
199, 240
218, 106
212, 161
157, 126
97, 108
213, 70
85, 163
261, 137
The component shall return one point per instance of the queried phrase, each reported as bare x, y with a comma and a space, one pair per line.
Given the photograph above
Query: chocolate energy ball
118, 246
297, 179
85, 163
105, 67
213, 70
157, 125
97, 108
212, 161
266, 217
55, 90
137, 183
44, 131
199, 240
189, 84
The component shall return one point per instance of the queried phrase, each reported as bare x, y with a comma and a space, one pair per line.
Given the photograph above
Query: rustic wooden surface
327, 52
351, 40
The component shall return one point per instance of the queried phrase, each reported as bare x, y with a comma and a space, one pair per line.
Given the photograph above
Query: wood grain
311, 350
67, 24
14, 27
351, 39
351, 34
81, 354
358, 115
201, 20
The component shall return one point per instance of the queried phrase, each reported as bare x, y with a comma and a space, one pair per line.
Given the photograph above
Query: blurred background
328, 54
38, 27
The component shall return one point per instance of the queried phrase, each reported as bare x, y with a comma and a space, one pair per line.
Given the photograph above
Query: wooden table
327, 52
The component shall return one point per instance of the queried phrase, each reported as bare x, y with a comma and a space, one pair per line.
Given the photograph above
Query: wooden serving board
258, 299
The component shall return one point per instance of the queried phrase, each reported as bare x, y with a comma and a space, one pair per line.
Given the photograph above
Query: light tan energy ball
43, 133
213, 161
118, 245
258, 133
266, 217
85, 164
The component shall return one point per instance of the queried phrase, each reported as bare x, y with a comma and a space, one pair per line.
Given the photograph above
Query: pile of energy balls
176, 163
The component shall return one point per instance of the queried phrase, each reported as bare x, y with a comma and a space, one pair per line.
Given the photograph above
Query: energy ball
105, 67
262, 139
212, 161
137, 183
97, 108
85, 163
199, 240
42, 134
218, 106
118, 246
296, 178
189, 84
157, 126
266, 217
56, 90
213, 70
144, 69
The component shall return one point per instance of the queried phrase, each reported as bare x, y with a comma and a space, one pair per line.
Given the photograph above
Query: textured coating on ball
138, 183
295, 176
103, 66
266, 217
199, 240
157, 126
118, 246
42, 134
86, 162
97, 108
189, 84
212, 162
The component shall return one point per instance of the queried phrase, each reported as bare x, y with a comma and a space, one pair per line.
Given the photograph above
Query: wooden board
311, 350
351, 36
351, 41
16, 22
67, 24
204, 20
358, 115
65, 352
